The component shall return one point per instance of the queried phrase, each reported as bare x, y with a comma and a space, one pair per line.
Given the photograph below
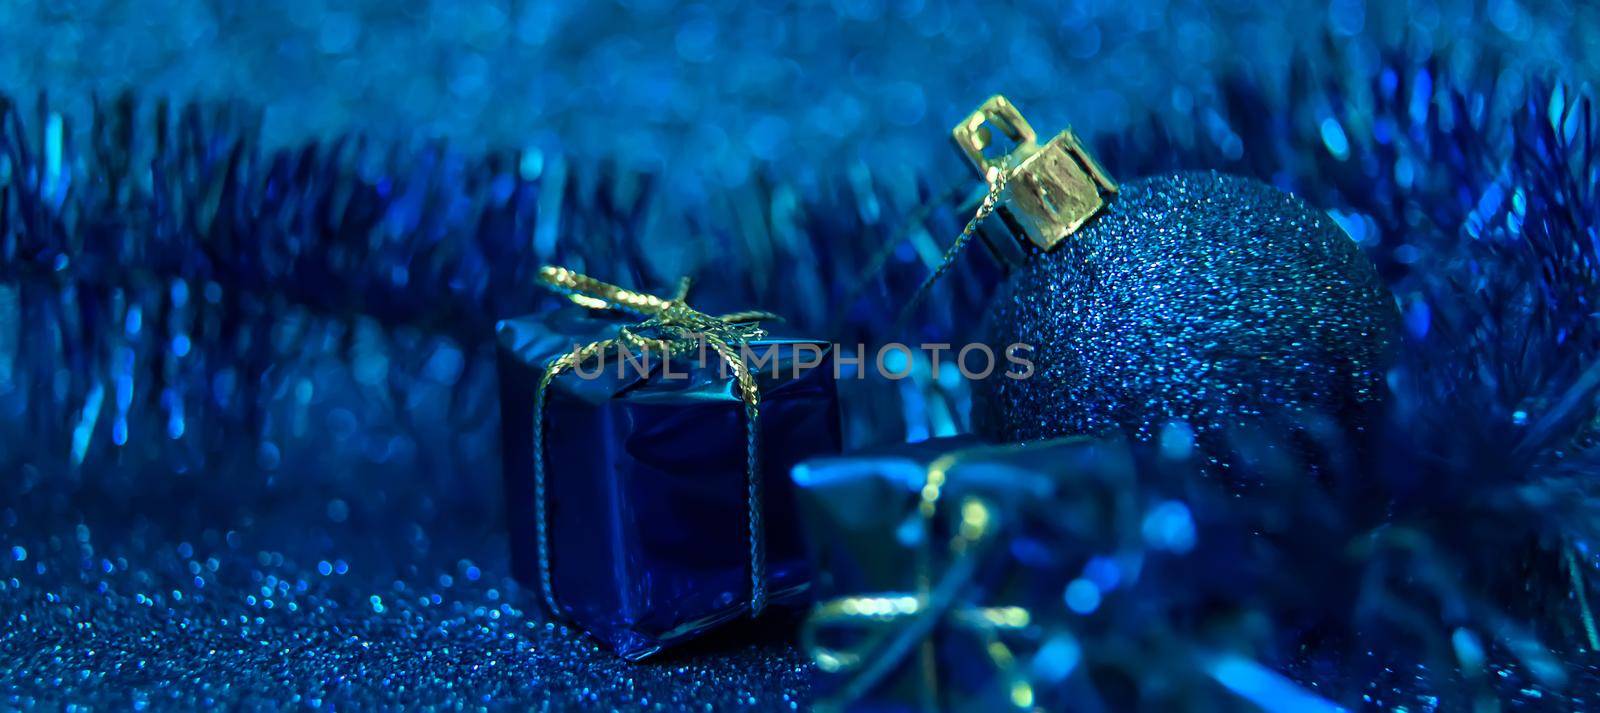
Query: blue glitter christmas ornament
1195, 299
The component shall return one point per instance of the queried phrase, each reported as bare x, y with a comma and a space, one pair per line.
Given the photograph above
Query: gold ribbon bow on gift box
895, 625
670, 327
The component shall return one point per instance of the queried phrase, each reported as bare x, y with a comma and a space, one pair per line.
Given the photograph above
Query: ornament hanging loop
1044, 194
1054, 189
975, 134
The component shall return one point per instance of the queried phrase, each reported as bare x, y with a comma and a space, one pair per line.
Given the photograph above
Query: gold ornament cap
1050, 191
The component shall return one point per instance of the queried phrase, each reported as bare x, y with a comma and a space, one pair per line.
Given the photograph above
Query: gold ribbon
896, 624
670, 327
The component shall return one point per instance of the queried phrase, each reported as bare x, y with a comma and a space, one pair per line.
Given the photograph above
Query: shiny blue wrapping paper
647, 484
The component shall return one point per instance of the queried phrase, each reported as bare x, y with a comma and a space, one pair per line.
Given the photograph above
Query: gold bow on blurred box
922, 602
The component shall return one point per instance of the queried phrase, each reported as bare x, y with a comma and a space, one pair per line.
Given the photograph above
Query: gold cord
996, 178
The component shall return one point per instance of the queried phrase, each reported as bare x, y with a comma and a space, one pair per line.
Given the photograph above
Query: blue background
297, 501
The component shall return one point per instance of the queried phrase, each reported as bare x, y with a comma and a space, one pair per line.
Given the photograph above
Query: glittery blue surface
1195, 301
126, 611
245, 344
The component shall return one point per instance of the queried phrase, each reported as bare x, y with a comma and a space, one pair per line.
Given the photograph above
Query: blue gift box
936, 561
650, 532
1054, 575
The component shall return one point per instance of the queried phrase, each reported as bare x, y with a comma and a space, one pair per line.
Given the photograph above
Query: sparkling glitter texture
143, 615
1197, 298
